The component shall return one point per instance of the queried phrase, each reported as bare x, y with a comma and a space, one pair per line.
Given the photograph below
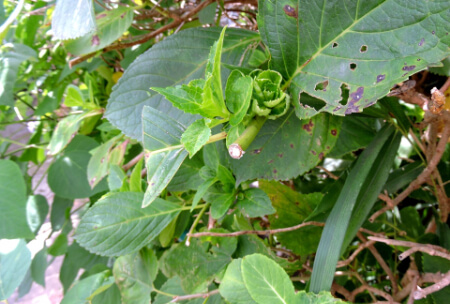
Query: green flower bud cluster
267, 98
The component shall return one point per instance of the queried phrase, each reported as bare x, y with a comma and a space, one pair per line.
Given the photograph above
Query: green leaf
336, 225
187, 176
220, 200
115, 177
287, 147
98, 165
196, 136
201, 191
37, 210
255, 203
328, 43
110, 27
197, 267
135, 178
11, 57
133, 277
232, 287
13, 202
67, 176
411, 222
266, 281
174, 61
173, 287
59, 246
238, 94
60, 208
117, 225
84, 289
292, 209
11, 18
15, 259
208, 14
110, 296
64, 133
77, 258
72, 21
322, 297
39, 266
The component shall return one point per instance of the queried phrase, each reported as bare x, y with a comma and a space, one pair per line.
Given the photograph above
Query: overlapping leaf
117, 225
287, 147
176, 60
73, 19
321, 46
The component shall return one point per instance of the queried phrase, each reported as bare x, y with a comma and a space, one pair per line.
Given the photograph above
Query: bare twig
445, 86
427, 248
133, 162
330, 174
194, 296
422, 293
372, 289
355, 253
414, 282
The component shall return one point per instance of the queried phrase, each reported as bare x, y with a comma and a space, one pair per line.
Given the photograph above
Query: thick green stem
237, 149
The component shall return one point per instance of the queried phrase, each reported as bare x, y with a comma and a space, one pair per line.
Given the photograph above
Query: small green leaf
98, 164
135, 178
117, 225
37, 210
13, 202
115, 177
266, 281
39, 266
322, 297
196, 136
59, 246
60, 208
111, 24
64, 132
15, 259
201, 191
255, 203
220, 200
238, 94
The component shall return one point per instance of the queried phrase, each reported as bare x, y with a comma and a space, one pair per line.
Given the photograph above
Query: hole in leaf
363, 49
321, 86
353, 66
335, 44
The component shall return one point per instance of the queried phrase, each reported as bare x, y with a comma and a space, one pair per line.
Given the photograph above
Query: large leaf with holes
176, 60
287, 147
117, 225
110, 26
366, 46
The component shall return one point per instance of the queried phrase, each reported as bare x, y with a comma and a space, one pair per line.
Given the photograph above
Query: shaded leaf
13, 202
117, 225
255, 203
84, 289
39, 266
59, 246
37, 210
232, 287
15, 259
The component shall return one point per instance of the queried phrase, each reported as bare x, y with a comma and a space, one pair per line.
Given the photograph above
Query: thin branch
257, 232
354, 254
133, 162
194, 296
414, 282
330, 174
427, 248
372, 289
445, 86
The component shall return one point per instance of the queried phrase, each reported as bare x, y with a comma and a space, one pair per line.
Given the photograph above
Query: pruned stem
238, 147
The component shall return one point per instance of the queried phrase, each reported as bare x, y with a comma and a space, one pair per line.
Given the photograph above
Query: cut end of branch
235, 151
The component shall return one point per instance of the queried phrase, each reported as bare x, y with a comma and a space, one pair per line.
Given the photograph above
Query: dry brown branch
335, 287
330, 174
194, 296
354, 254
427, 248
422, 293
133, 162
382, 263
372, 289
426, 173
445, 86
414, 281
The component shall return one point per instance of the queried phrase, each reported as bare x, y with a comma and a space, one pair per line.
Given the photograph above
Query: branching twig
133, 162
194, 296
422, 293
427, 248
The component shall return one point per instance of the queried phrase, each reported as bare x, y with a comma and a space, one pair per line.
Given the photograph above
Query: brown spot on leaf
280, 155
433, 32
275, 171
256, 151
321, 155
101, 16
422, 41
409, 68
354, 98
313, 152
95, 40
334, 132
292, 146
290, 11
308, 127
270, 161
381, 77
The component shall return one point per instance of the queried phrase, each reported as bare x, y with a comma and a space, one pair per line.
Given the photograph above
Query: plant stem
237, 149
199, 216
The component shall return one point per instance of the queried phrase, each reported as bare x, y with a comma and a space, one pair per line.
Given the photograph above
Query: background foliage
339, 188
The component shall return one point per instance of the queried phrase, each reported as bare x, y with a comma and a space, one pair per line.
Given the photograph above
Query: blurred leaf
84, 289
72, 20
208, 14
255, 203
60, 207
11, 57
117, 225
37, 210
111, 24
98, 164
13, 202
232, 287
11, 18
411, 222
39, 266
59, 246
15, 259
